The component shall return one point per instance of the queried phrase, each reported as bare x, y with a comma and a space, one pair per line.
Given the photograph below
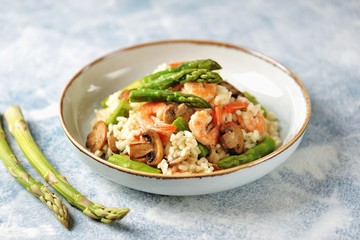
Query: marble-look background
314, 195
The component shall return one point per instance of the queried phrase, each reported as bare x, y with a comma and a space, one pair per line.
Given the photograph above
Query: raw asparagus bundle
265, 147
151, 95
19, 129
36, 188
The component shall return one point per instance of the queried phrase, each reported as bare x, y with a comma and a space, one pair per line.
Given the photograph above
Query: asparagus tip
105, 215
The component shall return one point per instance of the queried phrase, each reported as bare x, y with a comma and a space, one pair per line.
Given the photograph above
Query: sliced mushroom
234, 91
184, 111
150, 152
172, 111
232, 138
140, 150
158, 149
112, 143
96, 139
169, 113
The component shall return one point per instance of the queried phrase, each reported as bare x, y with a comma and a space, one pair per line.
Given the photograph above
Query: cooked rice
223, 95
217, 153
251, 139
122, 133
184, 147
183, 144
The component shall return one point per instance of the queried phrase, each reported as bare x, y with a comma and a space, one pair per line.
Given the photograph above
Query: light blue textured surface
314, 195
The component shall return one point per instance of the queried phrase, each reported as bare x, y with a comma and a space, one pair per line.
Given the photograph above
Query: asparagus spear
19, 129
167, 80
122, 109
36, 188
151, 95
265, 147
124, 161
197, 64
181, 124
204, 151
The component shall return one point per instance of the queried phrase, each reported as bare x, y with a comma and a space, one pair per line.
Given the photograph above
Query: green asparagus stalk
167, 80
124, 161
265, 147
19, 129
197, 64
39, 190
207, 64
103, 102
204, 151
151, 95
122, 109
181, 124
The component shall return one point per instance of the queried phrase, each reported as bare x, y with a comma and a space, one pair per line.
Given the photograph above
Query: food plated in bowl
182, 119
211, 117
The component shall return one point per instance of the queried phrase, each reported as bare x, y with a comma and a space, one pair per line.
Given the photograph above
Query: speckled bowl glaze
275, 86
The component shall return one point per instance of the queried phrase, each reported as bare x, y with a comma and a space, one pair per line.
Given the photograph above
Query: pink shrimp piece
150, 118
199, 123
251, 123
206, 91
149, 113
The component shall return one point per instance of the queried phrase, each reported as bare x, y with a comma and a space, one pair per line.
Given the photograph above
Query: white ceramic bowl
275, 86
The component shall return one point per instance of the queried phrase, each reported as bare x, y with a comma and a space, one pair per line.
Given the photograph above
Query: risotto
183, 118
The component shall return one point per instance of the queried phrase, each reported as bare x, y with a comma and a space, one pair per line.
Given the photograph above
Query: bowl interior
276, 88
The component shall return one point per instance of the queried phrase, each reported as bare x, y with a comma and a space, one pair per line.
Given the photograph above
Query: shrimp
199, 124
149, 113
206, 91
250, 123
150, 117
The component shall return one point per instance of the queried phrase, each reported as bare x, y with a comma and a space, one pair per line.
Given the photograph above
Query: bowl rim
246, 50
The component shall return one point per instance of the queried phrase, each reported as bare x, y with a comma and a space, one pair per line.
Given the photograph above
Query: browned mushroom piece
172, 111
96, 139
140, 150
158, 149
184, 111
234, 91
169, 113
232, 138
151, 152
111, 140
